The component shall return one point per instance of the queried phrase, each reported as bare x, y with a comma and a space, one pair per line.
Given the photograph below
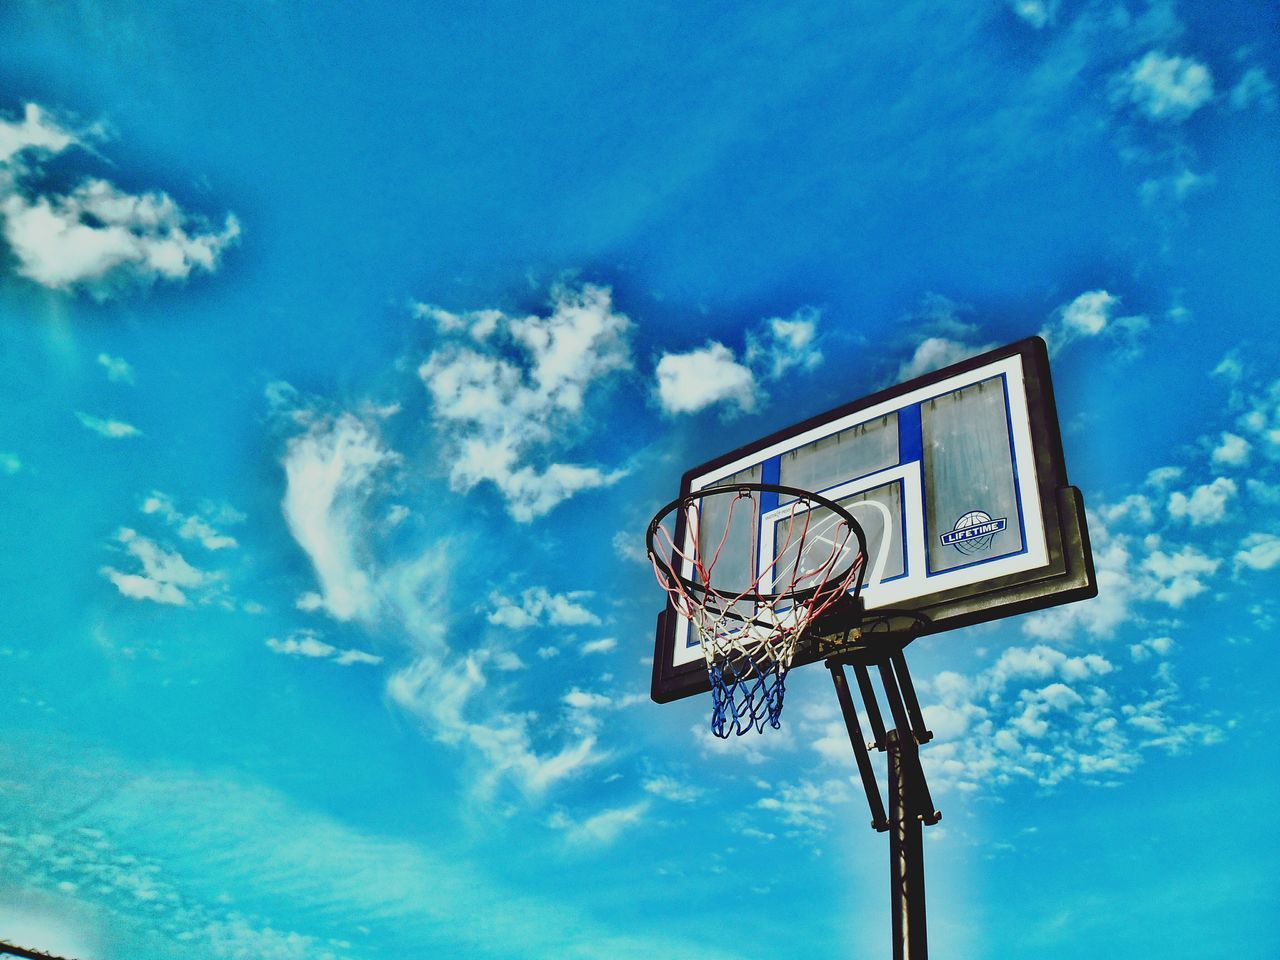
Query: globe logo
974, 532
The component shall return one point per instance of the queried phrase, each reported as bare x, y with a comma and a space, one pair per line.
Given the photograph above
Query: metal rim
668, 570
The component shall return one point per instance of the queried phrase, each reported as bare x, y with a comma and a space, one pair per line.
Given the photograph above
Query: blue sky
344, 355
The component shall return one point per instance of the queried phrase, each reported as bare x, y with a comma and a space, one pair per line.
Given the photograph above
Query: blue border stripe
910, 435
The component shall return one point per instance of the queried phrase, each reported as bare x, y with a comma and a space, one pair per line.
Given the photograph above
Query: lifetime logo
974, 525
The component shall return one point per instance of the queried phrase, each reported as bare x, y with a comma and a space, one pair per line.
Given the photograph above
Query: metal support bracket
910, 805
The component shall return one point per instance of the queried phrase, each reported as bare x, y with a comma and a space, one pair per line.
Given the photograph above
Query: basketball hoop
752, 615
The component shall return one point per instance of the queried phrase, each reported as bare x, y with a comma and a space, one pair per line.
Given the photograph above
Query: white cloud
1102, 616
669, 788
1038, 13
1161, 477
1044, 716
703, 377
603, 828
118, 369
306, 643
1180, 575
9, 463
1207, 504
1253, 87
497, 411
711, 375
784, 343
604, 645
329, 472
99, 237
537, 605
112, 429
629, 546
447, 690
508, 661
95, 237
1263, 492
752, 749
1135, 507
165, 576
479, 325
1158, 646
806, 804
1259, 551
1260, 417
137, 587
1164, 88
586, 700
1230, 367
188, 526
933, 353
1174, 188
942, 337
1231, 451
36, 132
1091, 314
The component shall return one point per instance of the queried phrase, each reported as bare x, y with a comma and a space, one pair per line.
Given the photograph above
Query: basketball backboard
956, 478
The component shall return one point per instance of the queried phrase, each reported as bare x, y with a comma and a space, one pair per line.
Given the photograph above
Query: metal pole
906, 852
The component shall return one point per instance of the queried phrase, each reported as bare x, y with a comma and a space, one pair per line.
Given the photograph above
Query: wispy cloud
941, 337
806, 804
166, 577
1164, 88
337, 467
307, 643
330, 470
1174, 188
117, 368
1038, 13
106, 427
603, 645
1091, 314
316, 888
669, 788
189, 526
36, 133
1253, 87
537, 605
601, 828
1259, 551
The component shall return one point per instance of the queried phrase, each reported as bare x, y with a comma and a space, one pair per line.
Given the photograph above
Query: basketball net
749, 636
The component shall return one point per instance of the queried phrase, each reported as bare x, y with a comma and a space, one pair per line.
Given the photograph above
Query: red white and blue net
752, 619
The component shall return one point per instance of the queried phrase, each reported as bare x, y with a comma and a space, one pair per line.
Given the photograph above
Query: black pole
906, 851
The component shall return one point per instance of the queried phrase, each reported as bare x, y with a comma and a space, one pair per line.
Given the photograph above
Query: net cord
748, 657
